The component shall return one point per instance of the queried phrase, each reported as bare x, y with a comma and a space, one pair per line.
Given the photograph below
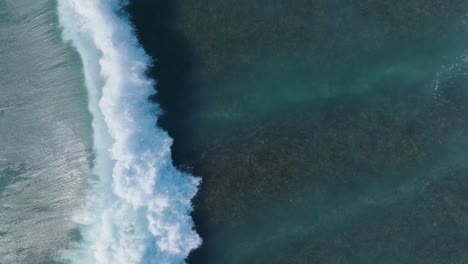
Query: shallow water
44, 134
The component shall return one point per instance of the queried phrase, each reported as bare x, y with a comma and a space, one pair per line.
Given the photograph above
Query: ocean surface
247, 131
45, 134
324, 131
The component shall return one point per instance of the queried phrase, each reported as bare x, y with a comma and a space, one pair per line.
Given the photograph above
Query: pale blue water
45, 133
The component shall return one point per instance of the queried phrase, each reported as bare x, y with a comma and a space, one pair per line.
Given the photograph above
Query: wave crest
139, 209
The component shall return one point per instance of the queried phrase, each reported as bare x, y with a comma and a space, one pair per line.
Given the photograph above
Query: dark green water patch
261, 54
376, 223
283, 188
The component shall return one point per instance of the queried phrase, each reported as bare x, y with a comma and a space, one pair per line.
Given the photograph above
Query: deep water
324, 131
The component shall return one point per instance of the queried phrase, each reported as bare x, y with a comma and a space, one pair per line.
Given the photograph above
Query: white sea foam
139, 209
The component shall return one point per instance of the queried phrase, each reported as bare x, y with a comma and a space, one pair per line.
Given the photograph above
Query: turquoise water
324, 131
45, 141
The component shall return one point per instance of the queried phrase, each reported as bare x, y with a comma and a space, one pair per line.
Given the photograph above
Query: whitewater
138, 209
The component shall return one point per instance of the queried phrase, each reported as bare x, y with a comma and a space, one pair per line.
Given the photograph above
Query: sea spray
139, 209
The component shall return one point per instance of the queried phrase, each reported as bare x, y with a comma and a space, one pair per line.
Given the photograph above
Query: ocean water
86, 175
324, 131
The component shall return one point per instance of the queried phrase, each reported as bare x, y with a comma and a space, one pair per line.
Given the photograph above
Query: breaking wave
138, 210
